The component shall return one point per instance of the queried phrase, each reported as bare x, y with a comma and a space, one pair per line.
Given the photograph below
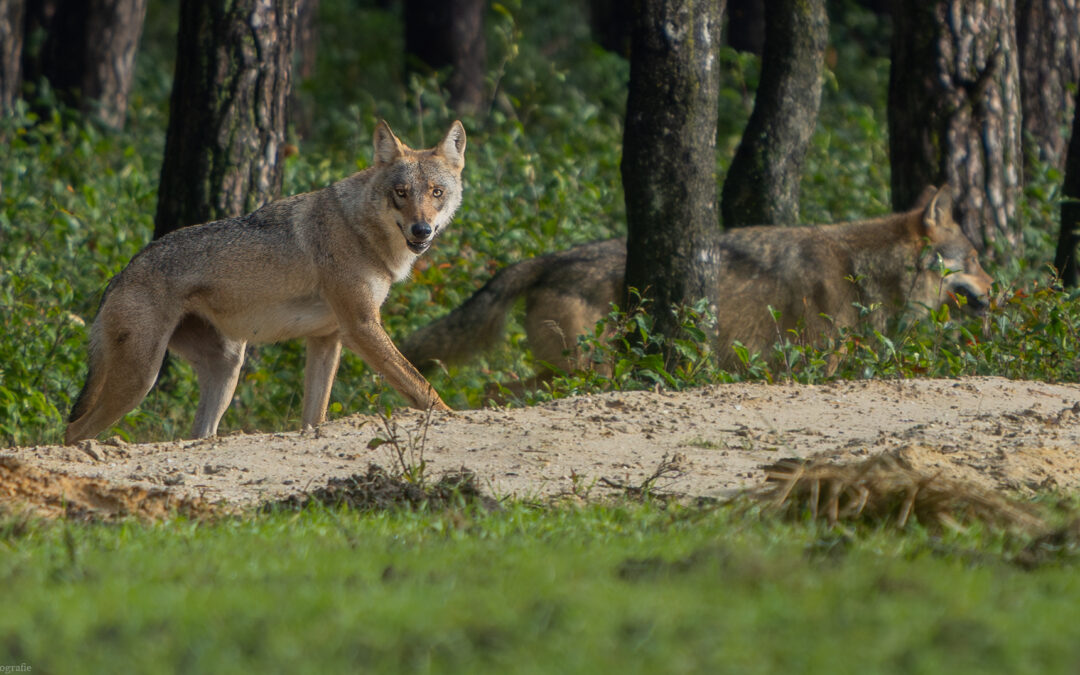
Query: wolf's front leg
368, 339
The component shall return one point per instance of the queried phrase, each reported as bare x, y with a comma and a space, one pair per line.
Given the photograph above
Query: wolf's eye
401, 192
436, 193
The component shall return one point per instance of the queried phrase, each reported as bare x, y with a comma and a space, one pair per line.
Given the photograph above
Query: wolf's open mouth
418, 246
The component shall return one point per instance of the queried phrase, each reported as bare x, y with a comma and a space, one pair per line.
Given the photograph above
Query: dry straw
885, 488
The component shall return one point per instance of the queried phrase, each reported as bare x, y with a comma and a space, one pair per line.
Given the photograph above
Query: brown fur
317, 265
803, 272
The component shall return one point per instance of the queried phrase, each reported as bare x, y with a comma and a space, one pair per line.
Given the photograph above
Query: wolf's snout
420, 231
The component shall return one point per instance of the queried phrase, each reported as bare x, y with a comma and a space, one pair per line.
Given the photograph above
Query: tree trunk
1069, 234
88, 55
1048, 40
762, 185
11, 41
746, 25
609, 24
441, 33
307, 38
954, 110
669, 155
305, 51
227, 112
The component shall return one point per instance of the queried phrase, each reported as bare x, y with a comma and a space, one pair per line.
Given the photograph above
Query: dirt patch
998, 434
26, 489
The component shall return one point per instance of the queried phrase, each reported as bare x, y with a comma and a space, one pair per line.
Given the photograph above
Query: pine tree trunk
441, 33
762, 185
954, 110
1048, 40
609, 25
305, 51
746, 25
89, 55
669, 155
307, 38
1069, 234
11, 41
227, 112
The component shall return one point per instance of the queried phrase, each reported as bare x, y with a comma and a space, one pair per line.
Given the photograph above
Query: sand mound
51, 494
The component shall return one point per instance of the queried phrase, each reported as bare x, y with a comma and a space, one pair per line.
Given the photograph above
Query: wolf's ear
938, 213
925, 196
452, 147
387, 146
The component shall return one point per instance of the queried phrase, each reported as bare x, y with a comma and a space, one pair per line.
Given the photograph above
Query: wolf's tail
478, 323
95, 383
88, 395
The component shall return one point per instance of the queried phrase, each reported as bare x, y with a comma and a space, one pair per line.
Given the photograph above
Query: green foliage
75, 205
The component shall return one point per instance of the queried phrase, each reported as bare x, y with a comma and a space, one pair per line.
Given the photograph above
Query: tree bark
88, 55
762, 185
1048, 40
954, 111
669, 155
11, 42
307, 38
1069, 234
227, 112
609, 24
746, 26
305, 57
441, 33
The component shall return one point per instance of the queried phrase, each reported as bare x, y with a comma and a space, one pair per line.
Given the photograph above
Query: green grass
605, 588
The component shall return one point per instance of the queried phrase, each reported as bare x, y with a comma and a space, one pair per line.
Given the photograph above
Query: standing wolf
914, 260
316, 265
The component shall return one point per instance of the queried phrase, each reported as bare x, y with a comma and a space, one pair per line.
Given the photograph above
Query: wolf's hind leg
323, 355
217, 361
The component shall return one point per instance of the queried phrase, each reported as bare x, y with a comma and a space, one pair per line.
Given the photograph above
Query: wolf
816, 278
316, 265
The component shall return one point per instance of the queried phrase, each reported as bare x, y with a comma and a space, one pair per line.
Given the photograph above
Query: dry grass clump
884, 488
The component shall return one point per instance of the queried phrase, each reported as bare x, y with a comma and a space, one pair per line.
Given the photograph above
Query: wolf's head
949, 269
422, 188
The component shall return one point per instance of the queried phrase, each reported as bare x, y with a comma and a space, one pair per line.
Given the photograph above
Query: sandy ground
1012, 435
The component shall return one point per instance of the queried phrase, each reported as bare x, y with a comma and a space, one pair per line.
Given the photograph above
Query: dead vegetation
379, 489
656, 485
885, 488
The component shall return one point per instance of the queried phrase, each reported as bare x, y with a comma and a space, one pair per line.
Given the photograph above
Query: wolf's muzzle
419, 237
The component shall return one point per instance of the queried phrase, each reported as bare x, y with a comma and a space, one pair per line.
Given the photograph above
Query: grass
632, 587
